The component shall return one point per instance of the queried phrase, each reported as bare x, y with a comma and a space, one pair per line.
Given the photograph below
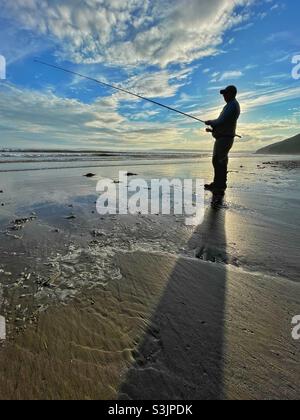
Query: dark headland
286, 147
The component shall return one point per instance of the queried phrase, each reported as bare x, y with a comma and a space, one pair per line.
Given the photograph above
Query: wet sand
142, 307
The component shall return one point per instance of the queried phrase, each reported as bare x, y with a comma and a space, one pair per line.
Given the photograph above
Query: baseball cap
229, 89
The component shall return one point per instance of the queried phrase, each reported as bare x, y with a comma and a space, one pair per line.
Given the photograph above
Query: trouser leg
220, 162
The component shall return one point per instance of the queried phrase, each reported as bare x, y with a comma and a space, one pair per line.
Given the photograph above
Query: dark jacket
225, 125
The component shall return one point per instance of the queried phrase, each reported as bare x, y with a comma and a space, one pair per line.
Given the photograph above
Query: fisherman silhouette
223, 130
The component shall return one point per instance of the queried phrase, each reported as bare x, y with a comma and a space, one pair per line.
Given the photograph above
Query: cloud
244, 27
288, 37
47, 120
218, 77
130, 32
230, 75
16, 44
161, 84
253, 100
45, 117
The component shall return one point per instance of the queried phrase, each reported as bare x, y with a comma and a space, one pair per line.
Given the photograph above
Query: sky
179, 52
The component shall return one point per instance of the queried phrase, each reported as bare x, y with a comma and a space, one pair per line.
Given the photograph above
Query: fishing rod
120, 90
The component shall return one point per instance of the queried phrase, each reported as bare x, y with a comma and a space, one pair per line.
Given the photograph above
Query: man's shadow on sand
181, 355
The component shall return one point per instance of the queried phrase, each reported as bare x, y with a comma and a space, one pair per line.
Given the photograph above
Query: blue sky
180, 52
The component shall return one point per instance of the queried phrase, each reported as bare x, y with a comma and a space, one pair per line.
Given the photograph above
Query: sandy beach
145, 307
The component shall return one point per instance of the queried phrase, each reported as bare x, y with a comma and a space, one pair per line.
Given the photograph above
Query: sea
20, 160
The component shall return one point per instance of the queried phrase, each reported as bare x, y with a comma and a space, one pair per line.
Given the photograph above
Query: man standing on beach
224, 131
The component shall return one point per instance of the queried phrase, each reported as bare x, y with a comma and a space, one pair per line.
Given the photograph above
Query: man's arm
226, 115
